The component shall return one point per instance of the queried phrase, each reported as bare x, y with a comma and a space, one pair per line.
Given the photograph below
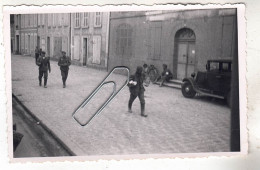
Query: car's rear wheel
187, 90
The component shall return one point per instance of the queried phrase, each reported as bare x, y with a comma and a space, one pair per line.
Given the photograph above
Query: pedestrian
146, 76
64, 63
37, 50
166, 75
137, 89
44, 65
40, 52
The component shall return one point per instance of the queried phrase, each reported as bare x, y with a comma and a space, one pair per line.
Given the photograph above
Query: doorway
38, 41
48, 46
17, 45
29, 45
185, 56
85, 51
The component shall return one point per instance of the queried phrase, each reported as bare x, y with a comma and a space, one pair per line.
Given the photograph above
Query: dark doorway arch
184, 53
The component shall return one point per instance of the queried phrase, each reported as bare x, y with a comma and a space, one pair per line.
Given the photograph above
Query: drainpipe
107, 41
70, 39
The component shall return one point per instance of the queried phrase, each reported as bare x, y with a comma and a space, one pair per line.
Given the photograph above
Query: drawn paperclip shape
108, 81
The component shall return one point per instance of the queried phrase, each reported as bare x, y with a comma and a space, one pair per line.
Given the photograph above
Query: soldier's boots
40, 83
129, 107
45, 83
143, 110
64, 84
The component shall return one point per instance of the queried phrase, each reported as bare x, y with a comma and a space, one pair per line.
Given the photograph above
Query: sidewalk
175, 124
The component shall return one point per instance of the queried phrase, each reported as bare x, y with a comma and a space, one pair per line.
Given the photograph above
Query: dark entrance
48, 46
185, 57
17, 45
38, 41
85, 51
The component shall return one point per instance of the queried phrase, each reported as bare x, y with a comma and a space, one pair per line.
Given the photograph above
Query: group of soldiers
136, 81
136, 86
44, 66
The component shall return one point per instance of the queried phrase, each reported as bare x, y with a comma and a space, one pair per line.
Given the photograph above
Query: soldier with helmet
137, 89
64, 63
44, 65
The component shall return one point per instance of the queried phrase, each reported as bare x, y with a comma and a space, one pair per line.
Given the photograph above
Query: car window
214, 66
226, 66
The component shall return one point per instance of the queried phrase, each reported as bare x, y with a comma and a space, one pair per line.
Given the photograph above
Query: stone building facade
54, 34
83, 36
25, 33
184, 40
90, 39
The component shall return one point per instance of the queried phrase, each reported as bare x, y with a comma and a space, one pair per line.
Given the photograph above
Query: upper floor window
77, 20
60, 18
85, 19
50, 19
43, 19
22, 21
124, 42
98, 19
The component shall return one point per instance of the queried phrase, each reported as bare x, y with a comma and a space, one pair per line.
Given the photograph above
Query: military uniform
37, 53
137, 89
44, 65
64, 63
166, 75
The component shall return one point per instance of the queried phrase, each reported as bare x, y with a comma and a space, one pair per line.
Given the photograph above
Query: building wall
54, 34
26, 30
89, 39
153, 37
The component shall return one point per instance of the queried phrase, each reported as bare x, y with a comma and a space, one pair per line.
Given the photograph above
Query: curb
65, 147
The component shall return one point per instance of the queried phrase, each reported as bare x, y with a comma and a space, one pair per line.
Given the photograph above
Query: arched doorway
184, 58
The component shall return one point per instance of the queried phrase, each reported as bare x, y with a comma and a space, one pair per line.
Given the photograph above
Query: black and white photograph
170, 82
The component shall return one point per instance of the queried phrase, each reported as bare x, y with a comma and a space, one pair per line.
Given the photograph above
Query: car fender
190, 80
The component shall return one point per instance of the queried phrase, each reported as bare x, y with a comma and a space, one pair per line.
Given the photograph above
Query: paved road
36, 142
175, 124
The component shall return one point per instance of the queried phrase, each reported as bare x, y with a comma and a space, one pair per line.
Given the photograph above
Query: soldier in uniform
64, 63
44, 65
165, 76
37, 52
137, 89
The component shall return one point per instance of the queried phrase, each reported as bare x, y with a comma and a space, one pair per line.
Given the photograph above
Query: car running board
210, 95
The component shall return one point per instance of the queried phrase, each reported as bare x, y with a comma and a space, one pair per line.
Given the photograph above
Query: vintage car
214, 82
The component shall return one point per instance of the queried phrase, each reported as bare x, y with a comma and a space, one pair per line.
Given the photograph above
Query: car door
214, 77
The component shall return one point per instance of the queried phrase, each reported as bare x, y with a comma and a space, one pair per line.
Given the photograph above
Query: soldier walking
137, 89
64, 63
37, 52
44, 65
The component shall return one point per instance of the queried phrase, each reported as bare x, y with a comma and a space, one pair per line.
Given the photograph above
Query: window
77, 20
50, 19
124, 40
55, 20
34, 20
97, 21
65, 19
85, 19
43, 18
29, 20
39, 19
60, 19
155, 35
22, 21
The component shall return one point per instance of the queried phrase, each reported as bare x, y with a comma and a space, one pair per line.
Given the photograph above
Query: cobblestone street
174, 124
